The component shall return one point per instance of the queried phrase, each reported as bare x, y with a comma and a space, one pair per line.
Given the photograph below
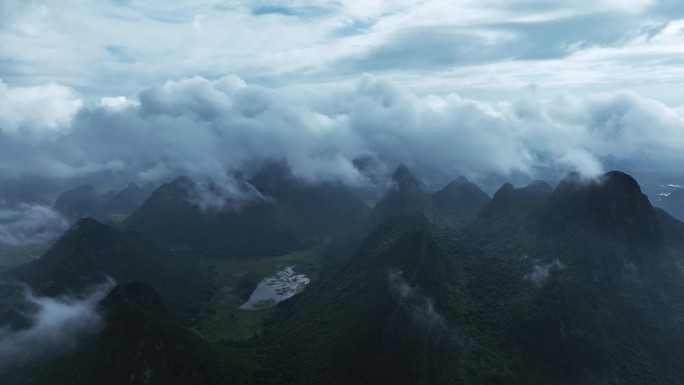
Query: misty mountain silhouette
376, 321
511, 203
578, 281
457, 203
317, 209
172, 216
91, 252
460, 200
81, 202
140, 344
674, 204
578, 284
128, 199
405, 197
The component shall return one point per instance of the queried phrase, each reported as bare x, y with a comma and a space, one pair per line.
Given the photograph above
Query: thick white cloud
45, 107
30, 223
201, 127
58, 325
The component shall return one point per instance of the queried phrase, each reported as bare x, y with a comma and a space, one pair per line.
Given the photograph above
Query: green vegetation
224, 320
227, 322
577, 285
569, 286
264, 304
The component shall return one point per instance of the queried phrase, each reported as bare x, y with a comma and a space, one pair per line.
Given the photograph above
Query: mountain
674, 204
91, 252
457, 203
378, 320
317, 209
326, 208
81, 202
597, 265
127, 200
579, 284
461, 200
515, 202
609, 209
405, 197
148, 188
673, 234
173, 216
140, 344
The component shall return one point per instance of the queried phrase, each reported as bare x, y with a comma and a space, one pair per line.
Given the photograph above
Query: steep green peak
607, 186
611, 203
86, 225
505, 190
135, 294
460, 180
182, 181
621, 180
133, 187
459, 183
401, 173
539, 186
86, 188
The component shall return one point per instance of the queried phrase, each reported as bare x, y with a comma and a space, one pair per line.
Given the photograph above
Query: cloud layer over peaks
202, 127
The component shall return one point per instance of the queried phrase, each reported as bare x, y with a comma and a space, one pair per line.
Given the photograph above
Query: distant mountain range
578, 284
85, 202
457, 203
674, 204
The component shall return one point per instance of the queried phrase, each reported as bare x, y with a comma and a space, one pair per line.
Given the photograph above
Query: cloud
304, 11
96, 47
10, 10
56, 325
427, 48
30, 224
227, 193
122, 54
209, 128
45, 107
421, 308
541, 272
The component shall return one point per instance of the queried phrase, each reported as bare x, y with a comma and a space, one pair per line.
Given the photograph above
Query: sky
146, 89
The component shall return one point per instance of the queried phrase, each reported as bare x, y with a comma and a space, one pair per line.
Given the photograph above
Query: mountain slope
140, 344
172, 216
127, 200
460, 201
578, 285
456, 204
81, 202
317, 209
598, 293
91, 252
380, 313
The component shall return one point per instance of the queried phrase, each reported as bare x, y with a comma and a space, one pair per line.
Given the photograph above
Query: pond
271, 290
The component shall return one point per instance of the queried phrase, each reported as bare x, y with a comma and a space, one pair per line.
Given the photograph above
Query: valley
13, 256
452, 285
272, 192
237, 279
